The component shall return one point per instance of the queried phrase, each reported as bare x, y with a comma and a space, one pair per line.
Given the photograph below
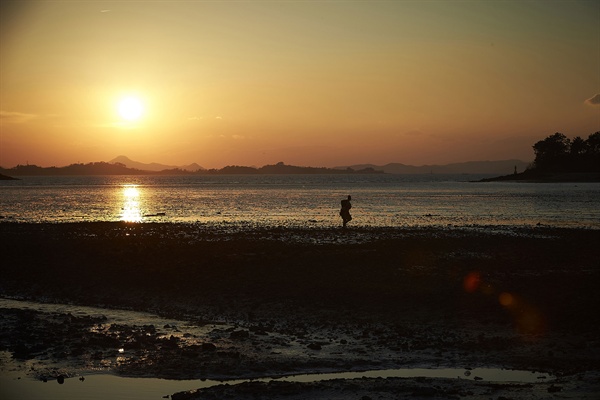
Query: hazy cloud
16, 117
194, 118
594, 101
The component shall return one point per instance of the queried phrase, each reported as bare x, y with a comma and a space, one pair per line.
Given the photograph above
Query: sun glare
131, 207
130, 108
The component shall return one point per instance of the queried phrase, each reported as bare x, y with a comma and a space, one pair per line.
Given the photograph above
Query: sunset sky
304, 82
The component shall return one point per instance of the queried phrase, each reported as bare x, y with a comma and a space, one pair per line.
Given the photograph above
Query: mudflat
275, 301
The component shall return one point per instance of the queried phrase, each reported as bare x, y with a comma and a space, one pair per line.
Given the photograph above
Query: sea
378, 200
305, 201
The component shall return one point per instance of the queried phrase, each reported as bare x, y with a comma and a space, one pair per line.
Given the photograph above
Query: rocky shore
256, 302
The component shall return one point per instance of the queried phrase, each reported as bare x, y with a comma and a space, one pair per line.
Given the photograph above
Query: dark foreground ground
281, 301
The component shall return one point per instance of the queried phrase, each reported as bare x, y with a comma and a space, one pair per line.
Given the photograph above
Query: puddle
485, 374
103, 386
15, 384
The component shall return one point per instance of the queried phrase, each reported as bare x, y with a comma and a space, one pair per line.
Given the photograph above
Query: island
559, 159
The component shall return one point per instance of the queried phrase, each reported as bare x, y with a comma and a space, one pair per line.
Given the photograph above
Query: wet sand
274, 301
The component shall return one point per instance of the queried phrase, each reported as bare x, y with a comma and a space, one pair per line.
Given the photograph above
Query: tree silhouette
557, 153
592, 152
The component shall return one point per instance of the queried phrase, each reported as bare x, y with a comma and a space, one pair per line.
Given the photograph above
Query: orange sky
306, 83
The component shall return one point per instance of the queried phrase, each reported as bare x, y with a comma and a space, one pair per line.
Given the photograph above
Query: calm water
14, 383
104, 386
305, 200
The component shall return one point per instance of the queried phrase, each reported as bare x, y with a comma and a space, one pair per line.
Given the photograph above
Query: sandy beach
275, 302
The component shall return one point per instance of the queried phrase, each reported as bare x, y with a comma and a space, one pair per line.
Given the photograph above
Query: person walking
345, 211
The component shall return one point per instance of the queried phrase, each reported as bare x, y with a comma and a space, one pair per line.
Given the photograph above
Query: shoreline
281, 301
547, 177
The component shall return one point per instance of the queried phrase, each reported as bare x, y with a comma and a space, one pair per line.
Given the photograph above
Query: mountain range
129, 163
123, 165
501, 167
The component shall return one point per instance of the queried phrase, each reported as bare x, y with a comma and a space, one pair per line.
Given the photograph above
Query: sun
130, 108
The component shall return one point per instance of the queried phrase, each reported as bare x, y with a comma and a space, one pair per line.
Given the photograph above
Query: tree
552, 153
578, 146
557, 153
593, 143
577, 156
592, 153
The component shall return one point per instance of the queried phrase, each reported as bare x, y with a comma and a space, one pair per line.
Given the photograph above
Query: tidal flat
223, 302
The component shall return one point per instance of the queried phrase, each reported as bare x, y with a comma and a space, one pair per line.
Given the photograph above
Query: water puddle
15, 384
103, 386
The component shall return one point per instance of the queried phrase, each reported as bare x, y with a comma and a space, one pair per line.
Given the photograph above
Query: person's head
349, 197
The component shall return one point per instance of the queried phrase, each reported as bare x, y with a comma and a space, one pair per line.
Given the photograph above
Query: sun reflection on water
131, 207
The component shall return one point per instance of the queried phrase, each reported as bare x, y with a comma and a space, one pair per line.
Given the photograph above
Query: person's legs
346, 219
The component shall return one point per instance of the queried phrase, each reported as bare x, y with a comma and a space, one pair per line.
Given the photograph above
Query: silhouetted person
345, 211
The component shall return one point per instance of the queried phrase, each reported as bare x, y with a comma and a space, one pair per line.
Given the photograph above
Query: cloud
16, 117
594, 101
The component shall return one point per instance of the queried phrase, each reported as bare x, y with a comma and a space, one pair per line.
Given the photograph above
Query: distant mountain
282, 169
502, 167
119, 168
124, 166
96, 168
152, 166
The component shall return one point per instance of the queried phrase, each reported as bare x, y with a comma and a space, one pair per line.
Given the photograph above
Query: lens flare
527, 319
472, 281
506, 299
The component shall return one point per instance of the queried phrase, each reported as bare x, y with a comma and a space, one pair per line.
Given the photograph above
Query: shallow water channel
103, 386
15, 384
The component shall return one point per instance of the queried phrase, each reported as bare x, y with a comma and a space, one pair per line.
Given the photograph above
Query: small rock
314, 346
554, 389
208, 347
239, 335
